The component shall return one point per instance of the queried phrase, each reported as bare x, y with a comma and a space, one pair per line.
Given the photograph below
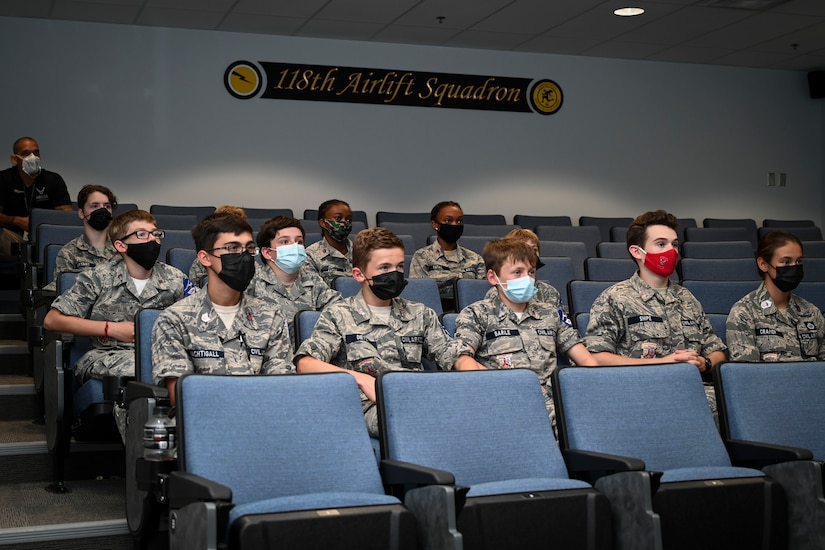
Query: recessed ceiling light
629, 12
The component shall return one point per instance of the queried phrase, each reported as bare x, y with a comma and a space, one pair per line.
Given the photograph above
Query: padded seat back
780, 403
657, 413
482, 426
276, 436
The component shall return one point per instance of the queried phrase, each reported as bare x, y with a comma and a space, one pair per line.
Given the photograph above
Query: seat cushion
709, 473
529, 485
312, 501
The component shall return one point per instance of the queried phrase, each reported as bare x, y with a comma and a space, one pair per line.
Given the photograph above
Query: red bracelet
106, 330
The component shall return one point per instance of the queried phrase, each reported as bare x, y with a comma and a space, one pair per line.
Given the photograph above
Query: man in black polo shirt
24, 186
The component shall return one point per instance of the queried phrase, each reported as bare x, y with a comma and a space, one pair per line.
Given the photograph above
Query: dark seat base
557, 519
362, 527
740, 513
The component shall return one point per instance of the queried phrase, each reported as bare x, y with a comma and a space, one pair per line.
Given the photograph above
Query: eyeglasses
143, 234
237, 248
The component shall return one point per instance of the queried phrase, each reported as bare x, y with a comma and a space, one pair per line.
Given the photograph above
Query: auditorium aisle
92, 514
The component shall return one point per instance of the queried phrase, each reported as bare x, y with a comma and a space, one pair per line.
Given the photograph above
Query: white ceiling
789, 35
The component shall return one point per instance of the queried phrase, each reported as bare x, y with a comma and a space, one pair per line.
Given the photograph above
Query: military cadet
647, 318
771, 323
95, 205
285, 282
103, 301
196, 271
331, 257
511, 328
375, 330
220, 329
444, 260
545, 292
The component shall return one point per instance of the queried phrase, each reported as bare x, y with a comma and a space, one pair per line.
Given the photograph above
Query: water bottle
159, 436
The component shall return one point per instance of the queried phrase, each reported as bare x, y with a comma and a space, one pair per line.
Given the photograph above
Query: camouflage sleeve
169, 356
739, 329
278, 354
417, 262
325, 341
710, 341
324, 295
196, 273
79, 300
469, 329
440, 347
62, 264
480, 268
605, 328
820, 333
566, 337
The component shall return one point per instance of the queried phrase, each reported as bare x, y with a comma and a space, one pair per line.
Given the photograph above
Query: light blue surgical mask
290, 257
519, 291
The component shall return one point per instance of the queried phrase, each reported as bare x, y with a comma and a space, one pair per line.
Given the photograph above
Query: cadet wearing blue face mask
285, 280
24, 186
510, 329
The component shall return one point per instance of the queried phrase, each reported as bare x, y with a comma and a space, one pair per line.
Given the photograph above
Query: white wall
144, 111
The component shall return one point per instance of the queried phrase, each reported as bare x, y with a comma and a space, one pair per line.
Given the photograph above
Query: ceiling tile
758, 28
29, 8
533, 16
104, 13
491, 40
368, 11
684, 24
456, 13
262, 24
342, 30
558, 45
408, 34
601, 23
684, 54
187, 19
281, 8
624, 50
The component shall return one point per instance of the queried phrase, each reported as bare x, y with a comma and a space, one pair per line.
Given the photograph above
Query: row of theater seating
469, 460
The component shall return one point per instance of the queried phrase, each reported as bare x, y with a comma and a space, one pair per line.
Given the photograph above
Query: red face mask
663, 263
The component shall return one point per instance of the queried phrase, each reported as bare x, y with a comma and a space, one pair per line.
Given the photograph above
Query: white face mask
31, 164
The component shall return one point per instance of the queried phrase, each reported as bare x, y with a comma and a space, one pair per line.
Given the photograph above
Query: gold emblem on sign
546, 97
242, 79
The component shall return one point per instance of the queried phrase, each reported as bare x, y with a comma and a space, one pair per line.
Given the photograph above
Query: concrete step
14, 357
18, 398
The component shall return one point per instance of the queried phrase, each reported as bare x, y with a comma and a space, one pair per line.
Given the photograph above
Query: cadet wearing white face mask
287, 280
24, 186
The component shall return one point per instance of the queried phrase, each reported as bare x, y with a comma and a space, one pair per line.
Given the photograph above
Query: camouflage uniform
758, 331
308, 292
346, 335
328, 262
503, 341
79, 255
190, 337
197, 272
632, 319
431, 262
108, 293
546, 294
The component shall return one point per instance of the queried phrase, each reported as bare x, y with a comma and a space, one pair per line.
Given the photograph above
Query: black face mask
388, 285
788, 277
99, 219
145, 254
450, 233
237, 270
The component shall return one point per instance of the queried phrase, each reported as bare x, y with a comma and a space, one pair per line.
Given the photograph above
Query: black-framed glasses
143, 234
237, 248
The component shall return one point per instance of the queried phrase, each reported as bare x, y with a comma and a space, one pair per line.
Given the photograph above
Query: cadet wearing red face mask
648, 318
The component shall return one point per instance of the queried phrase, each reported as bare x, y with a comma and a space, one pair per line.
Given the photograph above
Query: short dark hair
206, 232
86, 190
637, 232
498, 251
326, 205
443, 204
772, 240
16, 146
374, 238
270, 229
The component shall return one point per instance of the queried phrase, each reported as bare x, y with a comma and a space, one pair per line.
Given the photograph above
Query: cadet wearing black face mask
444, 260
376, 330
771, 323
95, 205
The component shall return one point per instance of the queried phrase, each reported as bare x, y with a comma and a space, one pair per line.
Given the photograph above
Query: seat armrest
581, 461
758, 454
139, 390
184, 488
396, 472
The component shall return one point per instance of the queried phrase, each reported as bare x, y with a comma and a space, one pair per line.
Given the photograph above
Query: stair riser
30, 468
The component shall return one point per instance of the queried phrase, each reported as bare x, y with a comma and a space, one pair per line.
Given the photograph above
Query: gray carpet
13, 431
28, 504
